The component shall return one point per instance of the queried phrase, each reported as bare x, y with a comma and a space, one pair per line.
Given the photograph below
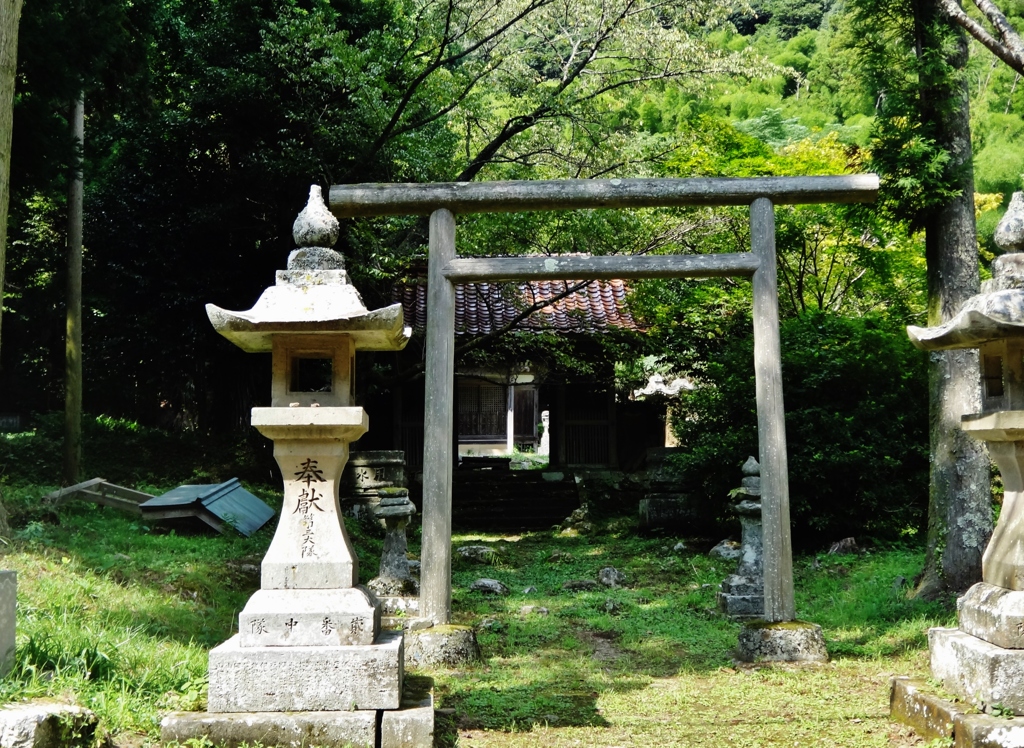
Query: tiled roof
481, 308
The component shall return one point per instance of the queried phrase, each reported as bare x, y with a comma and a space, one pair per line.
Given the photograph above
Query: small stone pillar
742, 593
982, 660
394, 577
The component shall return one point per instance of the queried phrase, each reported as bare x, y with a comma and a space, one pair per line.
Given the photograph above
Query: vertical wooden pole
436, 567
510, 417
771, 420
73, 335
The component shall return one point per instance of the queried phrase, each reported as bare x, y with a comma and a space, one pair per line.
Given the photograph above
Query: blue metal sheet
227, 501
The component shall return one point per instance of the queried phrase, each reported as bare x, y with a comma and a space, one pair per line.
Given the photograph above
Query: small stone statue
394, 577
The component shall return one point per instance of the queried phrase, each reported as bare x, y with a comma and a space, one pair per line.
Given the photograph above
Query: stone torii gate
445, 268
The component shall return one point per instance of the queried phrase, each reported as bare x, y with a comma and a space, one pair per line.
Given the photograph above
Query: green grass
119, 618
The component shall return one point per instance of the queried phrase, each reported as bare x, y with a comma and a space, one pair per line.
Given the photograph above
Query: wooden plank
771, 421
467, 269
379, 199
436, 558
130, 494
125, 505
63, 494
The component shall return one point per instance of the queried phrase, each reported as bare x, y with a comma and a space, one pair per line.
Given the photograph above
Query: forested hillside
207, 121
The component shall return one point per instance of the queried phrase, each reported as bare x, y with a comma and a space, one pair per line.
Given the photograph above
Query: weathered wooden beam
381, 199
467, 269
436, 552
771, 421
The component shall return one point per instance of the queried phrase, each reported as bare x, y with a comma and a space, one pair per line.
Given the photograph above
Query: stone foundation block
412, 726
994, 614
311, 618
287, 729
441, 646
977, 671
741, 606
46, 724
270, 679
787, 641
982, 731
930, 716
394, 605
737, 585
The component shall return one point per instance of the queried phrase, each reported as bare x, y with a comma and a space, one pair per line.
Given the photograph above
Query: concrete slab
976, 670
983, 731
286, 729
994, 614
270, 679
929, 715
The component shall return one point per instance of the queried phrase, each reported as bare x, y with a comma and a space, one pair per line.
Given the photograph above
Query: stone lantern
982, 660
310, 663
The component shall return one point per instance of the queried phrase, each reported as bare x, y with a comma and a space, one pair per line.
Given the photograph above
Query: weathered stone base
411, 726
977, 671
788, 641
994, 614
290, 729
46, 724
932, 717
441, 646
272, 679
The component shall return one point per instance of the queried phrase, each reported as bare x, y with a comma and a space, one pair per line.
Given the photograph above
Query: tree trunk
10, 14
959, 506
73, 338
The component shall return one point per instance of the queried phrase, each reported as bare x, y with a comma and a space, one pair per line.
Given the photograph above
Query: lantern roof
313, 296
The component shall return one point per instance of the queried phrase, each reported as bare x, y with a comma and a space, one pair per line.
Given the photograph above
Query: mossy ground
119, 618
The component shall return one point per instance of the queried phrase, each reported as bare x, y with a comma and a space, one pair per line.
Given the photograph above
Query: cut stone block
270, 679
46, 724
787, 641
982, 731
977, 671
412, 726
393, 606
994, 614
741, 606
314, 618
735, 584
930, 716
289, 729
8, 615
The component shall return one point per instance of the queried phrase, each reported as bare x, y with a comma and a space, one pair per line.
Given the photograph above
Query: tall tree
10, 15
923, 150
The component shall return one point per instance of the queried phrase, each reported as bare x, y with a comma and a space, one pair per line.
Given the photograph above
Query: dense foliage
856, 428
207, 121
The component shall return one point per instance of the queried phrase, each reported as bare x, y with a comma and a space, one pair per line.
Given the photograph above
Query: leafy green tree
916, 61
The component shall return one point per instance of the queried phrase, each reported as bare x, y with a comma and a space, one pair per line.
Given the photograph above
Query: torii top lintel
382, 199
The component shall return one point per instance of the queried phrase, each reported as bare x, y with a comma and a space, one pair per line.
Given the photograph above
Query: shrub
856, 424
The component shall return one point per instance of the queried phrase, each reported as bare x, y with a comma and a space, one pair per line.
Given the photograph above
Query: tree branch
1009, 48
